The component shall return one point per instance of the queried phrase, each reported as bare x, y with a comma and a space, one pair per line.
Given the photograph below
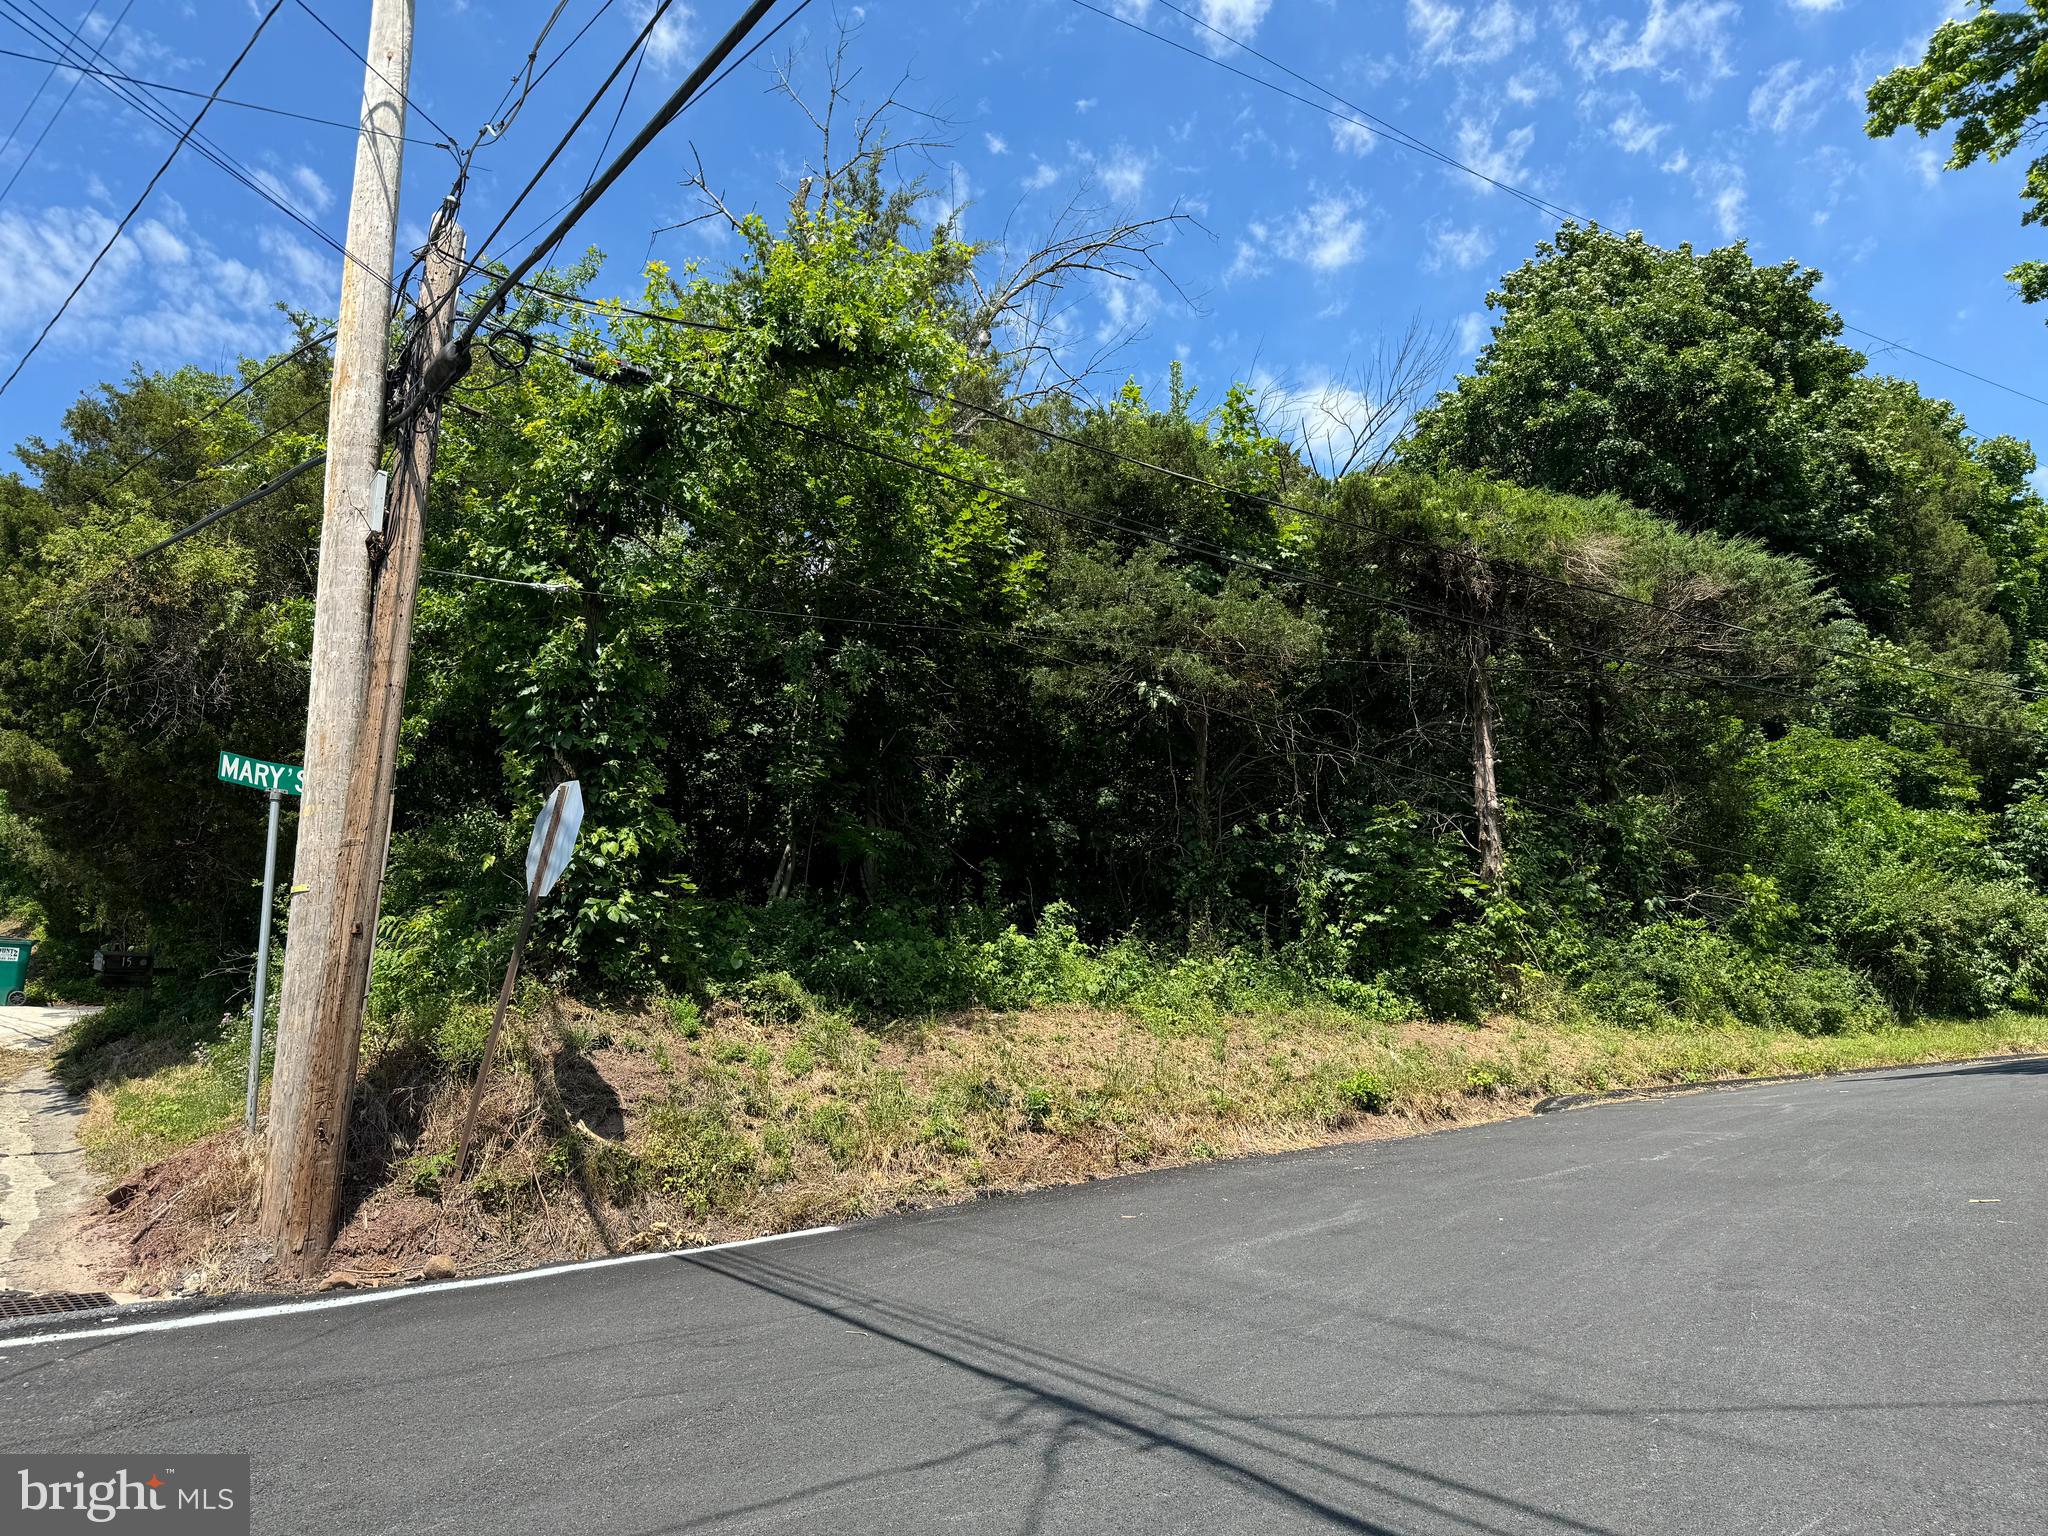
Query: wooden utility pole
342, 610
302, 1179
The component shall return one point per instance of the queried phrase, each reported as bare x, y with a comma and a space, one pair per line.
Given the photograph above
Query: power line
547, 221
269, 488
495, 129
669, 110
203, 146
93, 266
99, 49
625, 99
43, 84
1409, 141
646, 31
1928, 357
549, 68
224, 101
357, 54
1394, 134
98, 492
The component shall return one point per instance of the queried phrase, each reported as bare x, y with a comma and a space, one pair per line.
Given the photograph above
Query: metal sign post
547, 855
277, 780
261, 1004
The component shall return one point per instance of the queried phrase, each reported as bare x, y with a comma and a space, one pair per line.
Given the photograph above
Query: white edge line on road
390, 1293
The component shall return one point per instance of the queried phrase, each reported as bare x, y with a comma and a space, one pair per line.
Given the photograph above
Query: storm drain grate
28, 1304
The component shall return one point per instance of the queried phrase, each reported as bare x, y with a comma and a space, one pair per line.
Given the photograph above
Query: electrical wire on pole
162, 88
449, 364
99, 50
117, 84
136, 207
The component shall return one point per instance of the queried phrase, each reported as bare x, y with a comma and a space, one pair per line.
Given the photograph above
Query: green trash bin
14, 955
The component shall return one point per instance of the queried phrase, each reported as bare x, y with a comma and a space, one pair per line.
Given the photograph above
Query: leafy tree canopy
1988, 75
1715, 392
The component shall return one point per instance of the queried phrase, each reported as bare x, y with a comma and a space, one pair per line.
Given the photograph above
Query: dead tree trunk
1485, 780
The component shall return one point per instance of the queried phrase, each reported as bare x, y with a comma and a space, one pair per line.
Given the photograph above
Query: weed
1367, 1091
424, 1172
686, 1015
835, 1127
1038, 1107
694, 1155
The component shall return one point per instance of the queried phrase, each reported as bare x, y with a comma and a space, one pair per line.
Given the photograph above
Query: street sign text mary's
257, 774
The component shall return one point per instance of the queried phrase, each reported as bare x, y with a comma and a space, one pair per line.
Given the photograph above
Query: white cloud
1250, 258
1678, 164
1473, 329
307, 269
1683, 41
1928, 163
1528, 86
158, 243
1352, 137
1234, 18
1121, 172
1629, 123
318, 195
1787, 102
997, 144
1041, 177
1446, 33
1459, 249
1815, 5
1323, 415
671, 37
1502, 161
1085, 105
1326, 235
1127, 306
162, 295
1725, 186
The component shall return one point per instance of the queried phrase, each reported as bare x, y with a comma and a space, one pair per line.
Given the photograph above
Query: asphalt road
1779, 1309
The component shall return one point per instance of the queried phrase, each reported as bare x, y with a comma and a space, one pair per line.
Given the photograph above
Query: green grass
749, 1105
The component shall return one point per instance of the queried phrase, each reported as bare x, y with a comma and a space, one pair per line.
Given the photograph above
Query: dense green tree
1714, 392
119, 682
857, 673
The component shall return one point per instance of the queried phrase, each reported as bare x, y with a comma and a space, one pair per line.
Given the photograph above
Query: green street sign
254, 773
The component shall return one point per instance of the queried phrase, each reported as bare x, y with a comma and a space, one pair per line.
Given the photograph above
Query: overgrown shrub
1680, 970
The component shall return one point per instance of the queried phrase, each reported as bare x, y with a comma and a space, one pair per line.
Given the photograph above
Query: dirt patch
175, 1223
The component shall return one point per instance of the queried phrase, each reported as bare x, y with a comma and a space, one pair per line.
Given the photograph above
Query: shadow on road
2017, 1066
1059, 1400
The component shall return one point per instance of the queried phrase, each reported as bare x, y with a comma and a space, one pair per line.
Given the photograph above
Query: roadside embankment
665, 1125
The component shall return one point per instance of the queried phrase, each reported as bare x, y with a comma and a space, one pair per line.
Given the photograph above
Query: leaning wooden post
537, 882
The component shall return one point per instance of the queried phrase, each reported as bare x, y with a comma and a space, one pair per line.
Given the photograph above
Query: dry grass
13, 1062
607, 1131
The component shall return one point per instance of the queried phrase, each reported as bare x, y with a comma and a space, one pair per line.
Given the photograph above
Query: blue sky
1312, 241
